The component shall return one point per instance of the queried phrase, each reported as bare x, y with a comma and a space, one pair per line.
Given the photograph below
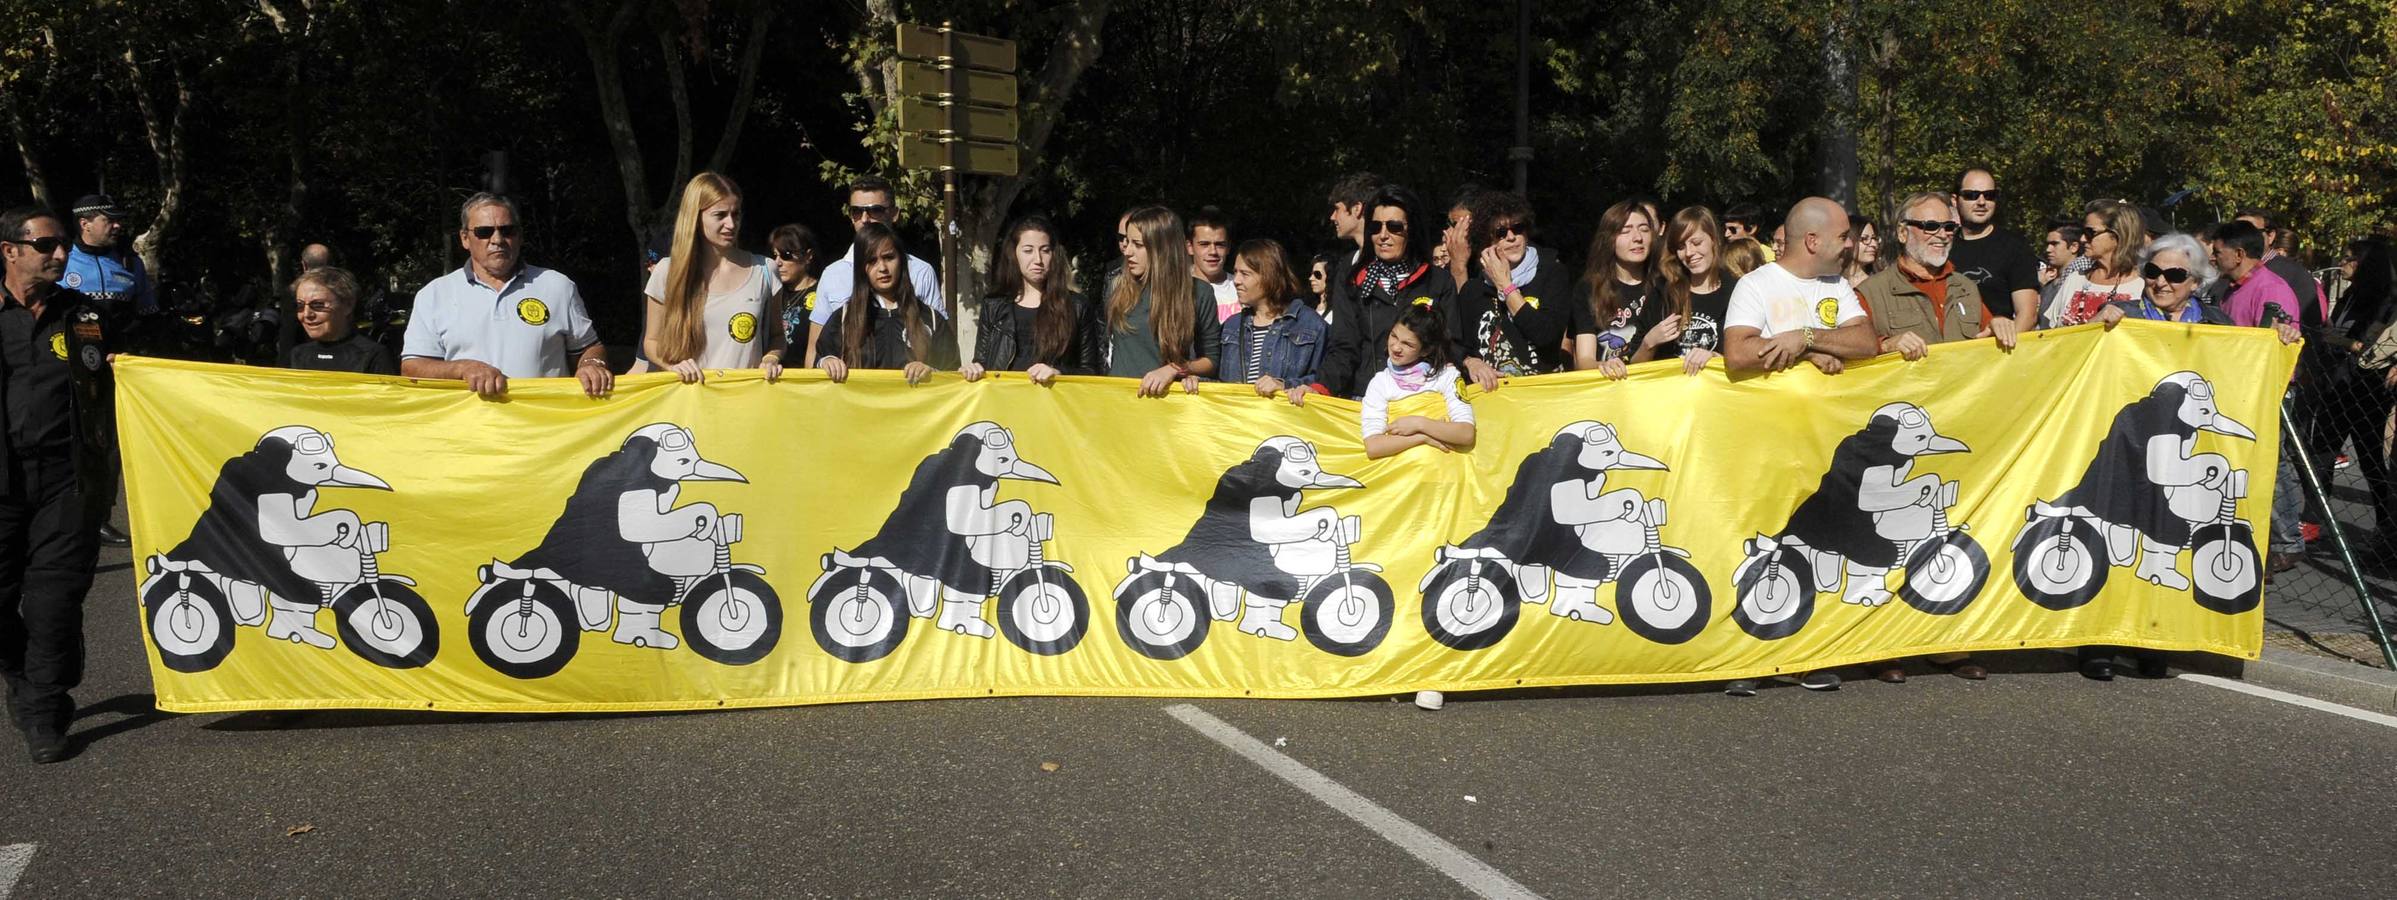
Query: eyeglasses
790, 255
42, 245
2094, 232
2174, 275
1395, 227
872, 211
1926, 225
317, 306
1989, 195
1508, 230
484, 232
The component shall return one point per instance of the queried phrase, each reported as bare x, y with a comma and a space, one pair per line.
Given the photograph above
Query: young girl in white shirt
1417, 364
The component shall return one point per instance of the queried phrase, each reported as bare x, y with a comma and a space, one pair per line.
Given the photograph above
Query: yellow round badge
808, 302
743, 327
532, 311
1827, 309
58, 344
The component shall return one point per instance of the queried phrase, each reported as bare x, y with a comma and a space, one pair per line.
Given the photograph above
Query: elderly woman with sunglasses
2175, 266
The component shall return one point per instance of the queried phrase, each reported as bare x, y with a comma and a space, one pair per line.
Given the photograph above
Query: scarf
1411, 378
1386, 276
1527, 268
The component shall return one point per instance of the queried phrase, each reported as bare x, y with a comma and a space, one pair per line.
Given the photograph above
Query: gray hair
483, 199
2200, 266
335, 280
1921, 197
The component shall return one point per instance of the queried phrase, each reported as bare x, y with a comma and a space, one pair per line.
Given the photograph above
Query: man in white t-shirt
1211, 258
871, 199
1798, 307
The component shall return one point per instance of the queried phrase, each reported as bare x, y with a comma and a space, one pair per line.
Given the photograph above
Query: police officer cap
98, 205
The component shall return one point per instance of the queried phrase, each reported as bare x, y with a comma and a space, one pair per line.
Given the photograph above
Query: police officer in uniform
55, 427
104, 267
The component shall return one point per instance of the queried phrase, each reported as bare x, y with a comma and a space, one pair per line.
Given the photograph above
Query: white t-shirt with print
733, 325
1772, 300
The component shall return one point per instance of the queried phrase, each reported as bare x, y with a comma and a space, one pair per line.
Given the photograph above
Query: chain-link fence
2339, 598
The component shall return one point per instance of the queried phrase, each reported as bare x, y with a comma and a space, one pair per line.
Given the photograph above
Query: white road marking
2360, 715
1473, 874
13, 859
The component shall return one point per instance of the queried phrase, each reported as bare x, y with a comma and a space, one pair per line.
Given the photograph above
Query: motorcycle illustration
528, 623
1472, 597
1344, 605
861, 605
192, 610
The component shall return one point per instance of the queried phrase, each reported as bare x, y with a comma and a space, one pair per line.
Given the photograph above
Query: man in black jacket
54, 387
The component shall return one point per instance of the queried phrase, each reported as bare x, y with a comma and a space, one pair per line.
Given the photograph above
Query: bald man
1798, 306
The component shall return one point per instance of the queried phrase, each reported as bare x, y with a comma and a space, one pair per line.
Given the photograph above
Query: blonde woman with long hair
713, 305
1154, 311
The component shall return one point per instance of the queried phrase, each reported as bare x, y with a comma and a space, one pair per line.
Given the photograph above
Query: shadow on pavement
298, 719
139, 711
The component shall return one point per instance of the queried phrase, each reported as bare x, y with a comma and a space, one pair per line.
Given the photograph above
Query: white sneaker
1429, 700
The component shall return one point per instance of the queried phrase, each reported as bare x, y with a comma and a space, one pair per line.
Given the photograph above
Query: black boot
110, 536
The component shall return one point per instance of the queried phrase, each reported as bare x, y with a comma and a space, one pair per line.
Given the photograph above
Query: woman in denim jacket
1274, 342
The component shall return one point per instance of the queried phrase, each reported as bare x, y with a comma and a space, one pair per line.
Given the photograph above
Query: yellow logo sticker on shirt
808, 302
744, 327
532, 311
58, 344
1827, 309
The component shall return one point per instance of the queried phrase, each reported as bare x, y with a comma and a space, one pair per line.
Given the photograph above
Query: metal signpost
958, 116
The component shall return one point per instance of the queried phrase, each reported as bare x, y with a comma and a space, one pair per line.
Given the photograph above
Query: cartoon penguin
621, 533
2147, 450
261, 532
1558, 515
940, 533
1866, 508
1251, 533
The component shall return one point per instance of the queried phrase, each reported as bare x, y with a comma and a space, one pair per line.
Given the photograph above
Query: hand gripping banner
316, 540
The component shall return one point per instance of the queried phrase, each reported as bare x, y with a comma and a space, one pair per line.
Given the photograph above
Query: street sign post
956, 116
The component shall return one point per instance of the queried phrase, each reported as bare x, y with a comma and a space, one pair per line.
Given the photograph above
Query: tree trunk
678, 87
35, 179
600, 43
165, 133
1836, 146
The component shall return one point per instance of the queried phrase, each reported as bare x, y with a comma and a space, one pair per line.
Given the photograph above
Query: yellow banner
319, 540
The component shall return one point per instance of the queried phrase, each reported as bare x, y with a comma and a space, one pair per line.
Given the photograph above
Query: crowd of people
1407, 301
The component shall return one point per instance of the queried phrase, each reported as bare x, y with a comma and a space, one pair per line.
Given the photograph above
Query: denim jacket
1294, 347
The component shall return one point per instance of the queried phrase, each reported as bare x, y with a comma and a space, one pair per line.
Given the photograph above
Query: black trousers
47, 549
2351, 410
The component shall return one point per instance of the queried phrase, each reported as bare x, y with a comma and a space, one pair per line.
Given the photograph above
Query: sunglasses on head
1395, 227
42, 245
2174, 275
1989, 195
872, 211
1927, 225
484, 232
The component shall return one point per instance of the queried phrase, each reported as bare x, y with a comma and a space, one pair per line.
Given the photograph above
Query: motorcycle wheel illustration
859, 614
2224, 568
189, 619
1161, 614
732, 617
523, 628
1041, 609
1659, 594
1776, 593
2060, 560
1347, 613
382, 618
1469, 602
1944, 574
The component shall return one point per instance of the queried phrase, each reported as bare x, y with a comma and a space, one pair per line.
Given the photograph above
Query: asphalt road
2035, 783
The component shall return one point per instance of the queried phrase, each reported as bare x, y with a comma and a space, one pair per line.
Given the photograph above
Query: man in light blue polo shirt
871, 199
497, 318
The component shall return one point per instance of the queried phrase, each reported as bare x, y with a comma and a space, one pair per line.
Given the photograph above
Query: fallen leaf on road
1469, 798
1048, 767
297, 830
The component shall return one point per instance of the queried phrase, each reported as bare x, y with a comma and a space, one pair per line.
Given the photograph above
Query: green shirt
1132, 351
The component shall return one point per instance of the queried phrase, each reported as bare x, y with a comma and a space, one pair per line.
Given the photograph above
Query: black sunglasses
1990, 195
484, 232
790, 255
1502, 232
873, 211
2174, 275
1395, 227
1928, 225
42, 245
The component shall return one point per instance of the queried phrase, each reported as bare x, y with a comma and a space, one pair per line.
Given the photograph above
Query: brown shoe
1891, 674
1963, 668
2282, 562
